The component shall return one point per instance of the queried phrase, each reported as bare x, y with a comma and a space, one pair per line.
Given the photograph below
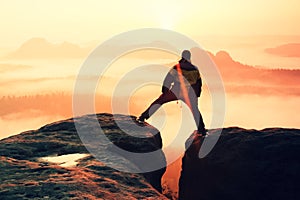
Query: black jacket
191, 75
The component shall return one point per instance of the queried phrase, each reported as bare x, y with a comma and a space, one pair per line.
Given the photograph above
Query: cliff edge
244, 164
38, 164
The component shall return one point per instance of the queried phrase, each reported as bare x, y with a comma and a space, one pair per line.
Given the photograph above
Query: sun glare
167, 14
167, 22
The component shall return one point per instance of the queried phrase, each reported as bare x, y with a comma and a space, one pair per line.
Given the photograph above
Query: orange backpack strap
182, 86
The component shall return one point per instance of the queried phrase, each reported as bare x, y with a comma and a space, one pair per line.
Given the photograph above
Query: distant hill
39, 48
241, 78
285, 50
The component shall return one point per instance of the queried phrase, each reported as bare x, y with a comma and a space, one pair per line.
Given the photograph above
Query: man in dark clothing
183, 82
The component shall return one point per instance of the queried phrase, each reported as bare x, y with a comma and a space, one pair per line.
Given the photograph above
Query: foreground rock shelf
25, 175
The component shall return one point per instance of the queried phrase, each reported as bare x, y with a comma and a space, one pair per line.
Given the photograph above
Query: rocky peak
27, 170
244, 164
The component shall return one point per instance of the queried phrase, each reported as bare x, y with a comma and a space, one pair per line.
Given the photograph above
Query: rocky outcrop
244, 164
24, 175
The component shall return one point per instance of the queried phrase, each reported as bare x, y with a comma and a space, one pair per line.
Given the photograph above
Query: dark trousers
170, 96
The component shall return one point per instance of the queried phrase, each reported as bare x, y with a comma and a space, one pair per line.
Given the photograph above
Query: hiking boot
141, 119
202, 133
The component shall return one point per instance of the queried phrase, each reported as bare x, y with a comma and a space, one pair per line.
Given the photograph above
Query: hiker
183, 82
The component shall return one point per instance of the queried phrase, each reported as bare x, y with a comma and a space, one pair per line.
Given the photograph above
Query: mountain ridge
40, 48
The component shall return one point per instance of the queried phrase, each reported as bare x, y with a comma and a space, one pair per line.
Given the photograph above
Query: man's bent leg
163, 98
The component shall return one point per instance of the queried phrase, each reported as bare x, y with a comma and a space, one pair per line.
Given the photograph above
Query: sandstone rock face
24, 175
244, 164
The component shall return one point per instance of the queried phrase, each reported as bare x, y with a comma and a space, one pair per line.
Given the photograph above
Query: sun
167, 22
167, 15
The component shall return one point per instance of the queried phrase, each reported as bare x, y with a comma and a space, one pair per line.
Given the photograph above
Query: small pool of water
68, 160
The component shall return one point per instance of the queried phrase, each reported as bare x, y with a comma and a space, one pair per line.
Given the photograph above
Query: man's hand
164, 89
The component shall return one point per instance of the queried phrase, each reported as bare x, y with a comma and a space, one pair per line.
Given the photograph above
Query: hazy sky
84, 21
244, 28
